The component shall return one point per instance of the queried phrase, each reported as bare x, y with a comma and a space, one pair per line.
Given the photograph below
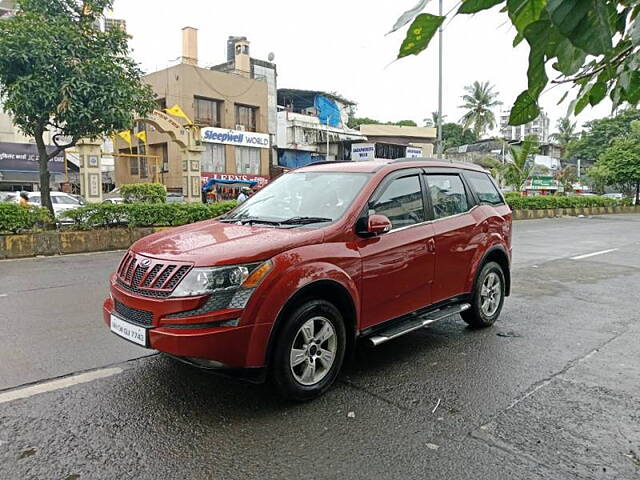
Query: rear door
455, 232
397, 267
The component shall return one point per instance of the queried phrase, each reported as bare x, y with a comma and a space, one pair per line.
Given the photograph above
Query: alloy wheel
313, 351
491, 294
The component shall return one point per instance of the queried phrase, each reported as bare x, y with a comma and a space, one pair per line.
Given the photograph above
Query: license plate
129, 331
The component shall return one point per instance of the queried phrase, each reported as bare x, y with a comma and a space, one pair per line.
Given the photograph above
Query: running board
415, 323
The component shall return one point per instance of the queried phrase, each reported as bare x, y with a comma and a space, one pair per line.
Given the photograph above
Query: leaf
524, 110
570, 58
473, 6
518, 39
597, 93
524, 12
588, 24
564, 96
633, 91
635, 31
420, 34
581, 104
537, 35
409, 15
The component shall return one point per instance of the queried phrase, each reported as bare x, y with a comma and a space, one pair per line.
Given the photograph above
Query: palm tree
517, 172
565, 133
433, 121
479, 101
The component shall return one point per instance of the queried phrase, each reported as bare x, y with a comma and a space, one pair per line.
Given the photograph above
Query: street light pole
439, 147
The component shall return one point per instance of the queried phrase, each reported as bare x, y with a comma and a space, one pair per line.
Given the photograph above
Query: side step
416, 322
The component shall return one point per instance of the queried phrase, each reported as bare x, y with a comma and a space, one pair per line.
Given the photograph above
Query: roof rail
417, 159
326, 162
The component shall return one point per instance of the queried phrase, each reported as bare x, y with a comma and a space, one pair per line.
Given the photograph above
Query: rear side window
448, 195
484, 188
401, 202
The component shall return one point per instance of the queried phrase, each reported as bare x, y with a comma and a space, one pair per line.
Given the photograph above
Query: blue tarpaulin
328, 111
297, 158
214, 181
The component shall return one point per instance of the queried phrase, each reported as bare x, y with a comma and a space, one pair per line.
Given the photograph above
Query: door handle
431, 245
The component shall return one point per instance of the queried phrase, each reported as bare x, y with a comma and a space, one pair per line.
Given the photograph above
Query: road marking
58, 384
587, 255
4, 295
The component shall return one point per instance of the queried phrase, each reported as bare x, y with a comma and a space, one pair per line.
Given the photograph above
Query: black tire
282, 372
477, 316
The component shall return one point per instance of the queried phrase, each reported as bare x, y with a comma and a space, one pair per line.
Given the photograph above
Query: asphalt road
550, 392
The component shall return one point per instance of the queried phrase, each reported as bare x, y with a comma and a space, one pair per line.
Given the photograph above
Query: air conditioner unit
242, 128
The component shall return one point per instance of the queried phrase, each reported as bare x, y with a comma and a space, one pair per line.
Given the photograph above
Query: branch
615, 60
61, 148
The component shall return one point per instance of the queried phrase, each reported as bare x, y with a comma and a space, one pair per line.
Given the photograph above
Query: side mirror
378, 224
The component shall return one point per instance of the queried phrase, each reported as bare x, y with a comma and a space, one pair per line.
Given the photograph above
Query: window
246, 116
447, 195
161, 103
64, 200
208, 112
134, 167
484, 188
214, 158
248, 160
401, 202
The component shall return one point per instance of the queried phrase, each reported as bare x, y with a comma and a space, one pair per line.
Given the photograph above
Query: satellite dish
271, 57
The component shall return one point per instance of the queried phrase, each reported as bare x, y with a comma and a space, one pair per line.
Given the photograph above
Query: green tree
566, 132
355, 122
567, 177
59, 73
598, 135
520, 169
454, 135
433, 121
622, 160
599, 177
590, 44
479, 101
404, 123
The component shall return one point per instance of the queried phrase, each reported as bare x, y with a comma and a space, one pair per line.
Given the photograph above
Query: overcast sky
340, 45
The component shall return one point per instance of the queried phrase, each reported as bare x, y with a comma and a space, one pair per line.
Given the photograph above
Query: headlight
228, 281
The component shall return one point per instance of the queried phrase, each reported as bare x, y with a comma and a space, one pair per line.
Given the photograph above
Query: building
312, 127
393, 141
539, 127
7, 7
232, 108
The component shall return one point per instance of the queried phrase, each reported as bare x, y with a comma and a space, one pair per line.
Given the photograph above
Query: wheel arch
497, 254
325, 289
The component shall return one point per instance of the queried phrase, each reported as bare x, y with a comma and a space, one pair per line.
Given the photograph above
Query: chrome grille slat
148, 277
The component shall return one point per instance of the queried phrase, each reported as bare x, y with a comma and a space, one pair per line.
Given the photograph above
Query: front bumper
195, 338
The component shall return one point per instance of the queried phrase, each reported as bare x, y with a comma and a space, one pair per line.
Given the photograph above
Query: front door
398, 266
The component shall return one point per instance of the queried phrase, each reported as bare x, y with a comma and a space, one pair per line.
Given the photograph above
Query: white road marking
58, 384
587, 255
4, 295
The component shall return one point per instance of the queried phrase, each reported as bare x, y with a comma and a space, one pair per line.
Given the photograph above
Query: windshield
321, 196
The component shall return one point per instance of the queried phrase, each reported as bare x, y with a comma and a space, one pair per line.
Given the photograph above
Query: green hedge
541, 202
17, 219
144, 214
143, 192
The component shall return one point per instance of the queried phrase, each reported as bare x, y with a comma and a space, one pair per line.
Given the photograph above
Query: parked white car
61, 201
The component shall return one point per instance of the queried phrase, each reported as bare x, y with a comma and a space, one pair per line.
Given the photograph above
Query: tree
566, 131
598, 135
59, 73
404, 123
567, 177
593, 45
622, 160
433, 121
599, 177
355, 122
479, 101
520, 169
454, 135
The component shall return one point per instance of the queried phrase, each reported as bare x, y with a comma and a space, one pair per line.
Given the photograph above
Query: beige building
231, 107
393, 141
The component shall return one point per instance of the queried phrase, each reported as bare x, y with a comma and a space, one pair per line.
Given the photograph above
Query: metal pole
327, 157
439, 149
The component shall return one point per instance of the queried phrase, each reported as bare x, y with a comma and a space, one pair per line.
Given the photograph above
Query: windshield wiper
250, 220
305, 220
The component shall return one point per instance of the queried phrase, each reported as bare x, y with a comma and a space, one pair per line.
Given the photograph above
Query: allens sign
23, 157
235, 137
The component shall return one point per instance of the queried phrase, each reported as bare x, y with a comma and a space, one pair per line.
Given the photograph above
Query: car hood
211, 243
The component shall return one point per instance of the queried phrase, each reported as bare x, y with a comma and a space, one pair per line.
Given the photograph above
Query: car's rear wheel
309, 351
487, 298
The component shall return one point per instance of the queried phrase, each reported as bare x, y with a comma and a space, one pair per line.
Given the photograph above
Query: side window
448, 195
401, 202
484, 188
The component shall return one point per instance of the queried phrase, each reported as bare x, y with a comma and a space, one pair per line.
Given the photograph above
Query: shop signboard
361, 152
262, 180
414, 152
23, 157
235, 137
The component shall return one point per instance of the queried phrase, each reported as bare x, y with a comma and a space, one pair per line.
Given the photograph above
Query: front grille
149, 277
143, 318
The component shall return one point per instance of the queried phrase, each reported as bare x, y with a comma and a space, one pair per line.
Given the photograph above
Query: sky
340, 46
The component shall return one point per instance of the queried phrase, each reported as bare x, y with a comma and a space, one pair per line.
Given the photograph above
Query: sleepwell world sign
23, 157
235, 137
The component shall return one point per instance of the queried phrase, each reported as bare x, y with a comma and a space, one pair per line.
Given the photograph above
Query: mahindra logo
145, 263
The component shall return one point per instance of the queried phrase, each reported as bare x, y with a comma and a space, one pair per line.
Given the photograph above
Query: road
550, 392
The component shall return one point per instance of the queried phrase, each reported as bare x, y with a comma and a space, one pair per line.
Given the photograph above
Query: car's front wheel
487, 298
309, 351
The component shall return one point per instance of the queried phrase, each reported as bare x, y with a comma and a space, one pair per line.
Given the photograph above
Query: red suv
284, 285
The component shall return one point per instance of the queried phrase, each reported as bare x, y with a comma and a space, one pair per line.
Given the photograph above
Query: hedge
541, 202
144, 214
17, 219
144, 192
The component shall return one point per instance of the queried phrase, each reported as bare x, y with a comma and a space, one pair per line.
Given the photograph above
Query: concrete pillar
191, 173
90, 154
